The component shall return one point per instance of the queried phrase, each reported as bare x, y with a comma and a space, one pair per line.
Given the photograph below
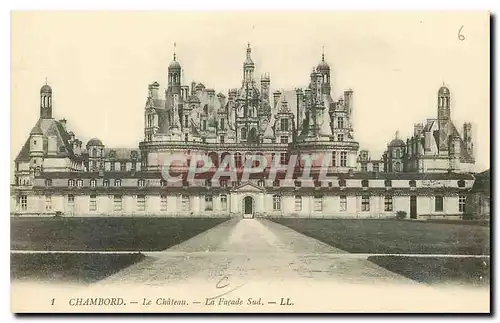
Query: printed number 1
52, 301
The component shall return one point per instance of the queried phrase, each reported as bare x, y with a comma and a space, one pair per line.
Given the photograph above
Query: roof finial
45, 80
174, 50
397, 134
323, 54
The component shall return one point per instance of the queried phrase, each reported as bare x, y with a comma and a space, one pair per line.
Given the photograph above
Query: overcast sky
99, 66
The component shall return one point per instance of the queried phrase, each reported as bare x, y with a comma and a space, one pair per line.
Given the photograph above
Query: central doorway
413, 207
248, 207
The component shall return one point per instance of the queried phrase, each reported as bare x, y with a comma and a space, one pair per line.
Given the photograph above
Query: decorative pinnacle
174, 51
323, 54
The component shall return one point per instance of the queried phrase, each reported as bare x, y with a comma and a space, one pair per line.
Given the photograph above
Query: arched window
397, 166
237, 160
214, 157
243, 133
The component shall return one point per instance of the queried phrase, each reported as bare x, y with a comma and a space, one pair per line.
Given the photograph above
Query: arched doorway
248, 207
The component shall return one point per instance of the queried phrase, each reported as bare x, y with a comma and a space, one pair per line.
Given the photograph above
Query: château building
426, 176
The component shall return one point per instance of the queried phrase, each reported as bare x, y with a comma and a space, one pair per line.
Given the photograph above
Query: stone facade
330, 178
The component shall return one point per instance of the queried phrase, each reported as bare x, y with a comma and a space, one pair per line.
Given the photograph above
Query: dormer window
342, 182
79, 183
71, 182
141, 183
461, 183
413, 183
93, 183
48, 182
388, 183
105, 183
260, 183
118, 183
364, 183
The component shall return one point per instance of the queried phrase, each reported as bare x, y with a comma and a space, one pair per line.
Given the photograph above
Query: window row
93, 182
209, 203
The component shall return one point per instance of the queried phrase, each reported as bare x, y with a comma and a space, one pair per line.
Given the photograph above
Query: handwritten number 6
460, 36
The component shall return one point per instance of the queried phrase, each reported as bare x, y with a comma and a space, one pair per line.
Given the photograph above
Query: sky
99, 65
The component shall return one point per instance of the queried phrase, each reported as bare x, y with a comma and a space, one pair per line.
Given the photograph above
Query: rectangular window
223, 202
186, 203
340, 122
298, 203
48, 202
221, 139
283, 158
71, 199
375, 167
141, 203
438, 204
343, 159
186, 121
284, 124
343, 203
186, 137
284, 139
318, 203
71, 182
204, 125
133, 166
117, 203
334, 158
112, 166
123, 167
163, 203
365, 203
141, 183
209, 203
364, 167
48, 182
388, 204
276, 202
93, 203
340, 137
24, 202
461, 203
222, 125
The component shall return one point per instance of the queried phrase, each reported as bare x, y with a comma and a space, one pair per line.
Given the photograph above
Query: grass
393, 236
435, 270
59, 267
105, 234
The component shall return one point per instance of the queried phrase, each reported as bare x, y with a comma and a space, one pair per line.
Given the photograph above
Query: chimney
153, 90
418, 128
348, 98
276, 96
427, 142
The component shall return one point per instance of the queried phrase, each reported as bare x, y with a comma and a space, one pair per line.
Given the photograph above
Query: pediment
248, 187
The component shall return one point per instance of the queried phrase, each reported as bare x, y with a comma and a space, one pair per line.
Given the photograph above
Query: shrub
400, 215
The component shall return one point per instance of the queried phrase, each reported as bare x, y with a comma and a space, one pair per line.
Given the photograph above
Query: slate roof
482, 184
53, 128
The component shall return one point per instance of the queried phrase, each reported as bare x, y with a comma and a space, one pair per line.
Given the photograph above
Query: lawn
393, 236
105, 234
64, 267
437, 270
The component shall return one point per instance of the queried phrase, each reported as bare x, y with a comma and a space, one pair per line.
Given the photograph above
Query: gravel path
252, 250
